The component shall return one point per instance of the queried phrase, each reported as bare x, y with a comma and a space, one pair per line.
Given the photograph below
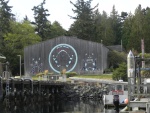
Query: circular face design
63, 56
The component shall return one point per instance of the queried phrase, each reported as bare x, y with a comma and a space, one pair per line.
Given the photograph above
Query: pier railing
138, 89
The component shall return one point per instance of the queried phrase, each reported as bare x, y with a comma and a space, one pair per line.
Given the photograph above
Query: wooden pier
16, 88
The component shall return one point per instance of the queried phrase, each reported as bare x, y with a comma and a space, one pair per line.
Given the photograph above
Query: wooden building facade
70, 53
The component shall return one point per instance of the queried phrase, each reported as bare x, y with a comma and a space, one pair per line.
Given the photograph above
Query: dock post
1, 88
39, 88
22, 88
31, 82
7, 92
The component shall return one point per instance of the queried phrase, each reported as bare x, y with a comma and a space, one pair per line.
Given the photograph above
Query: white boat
119, 89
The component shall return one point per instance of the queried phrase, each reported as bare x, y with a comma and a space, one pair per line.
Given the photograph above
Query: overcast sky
60, 9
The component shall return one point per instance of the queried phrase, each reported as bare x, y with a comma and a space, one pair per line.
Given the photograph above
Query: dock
132, 112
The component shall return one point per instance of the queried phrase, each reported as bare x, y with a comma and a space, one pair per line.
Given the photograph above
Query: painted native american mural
70, 53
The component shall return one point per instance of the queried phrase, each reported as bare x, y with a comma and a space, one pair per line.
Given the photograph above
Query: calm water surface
57, 106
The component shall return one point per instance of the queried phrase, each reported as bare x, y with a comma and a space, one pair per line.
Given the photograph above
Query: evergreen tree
109, 29
105, 30
137, 30
116, 26
83, 27
5, 18
146, 28
126, 31
41, 21
98, 27
57, 30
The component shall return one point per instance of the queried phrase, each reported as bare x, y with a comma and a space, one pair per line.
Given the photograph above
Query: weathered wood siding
70, 53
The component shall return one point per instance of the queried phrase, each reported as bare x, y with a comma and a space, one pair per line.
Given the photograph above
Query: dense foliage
57, 30
89, 24
121, 72
84, 26
126, 27
41, 22
21, 35
5, 18
115, 58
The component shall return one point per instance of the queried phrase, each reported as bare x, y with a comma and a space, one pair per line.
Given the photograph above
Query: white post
131, 68
130, 63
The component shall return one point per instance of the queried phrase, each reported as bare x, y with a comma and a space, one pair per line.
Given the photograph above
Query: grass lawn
105, 76
35, 78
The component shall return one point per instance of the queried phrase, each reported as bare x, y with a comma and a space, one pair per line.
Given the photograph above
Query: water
57, 106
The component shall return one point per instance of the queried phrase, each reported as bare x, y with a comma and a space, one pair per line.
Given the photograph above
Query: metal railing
137, 89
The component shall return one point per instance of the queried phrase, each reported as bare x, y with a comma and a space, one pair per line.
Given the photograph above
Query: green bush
146, 55
121, 72
115, 58
71, 74
145, 73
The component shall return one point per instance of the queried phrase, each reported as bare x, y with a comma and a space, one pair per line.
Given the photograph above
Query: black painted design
89, 63
36, 66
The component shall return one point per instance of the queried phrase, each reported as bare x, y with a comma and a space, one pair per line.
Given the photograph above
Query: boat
116, 90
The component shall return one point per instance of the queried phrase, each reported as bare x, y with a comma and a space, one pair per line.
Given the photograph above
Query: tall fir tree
5, 18
137, 30
83, 27
98, 27
41, 21
116, 26
146, 29
104, 29
126, 31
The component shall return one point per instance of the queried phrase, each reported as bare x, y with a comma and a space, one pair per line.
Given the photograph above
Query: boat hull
108, 100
